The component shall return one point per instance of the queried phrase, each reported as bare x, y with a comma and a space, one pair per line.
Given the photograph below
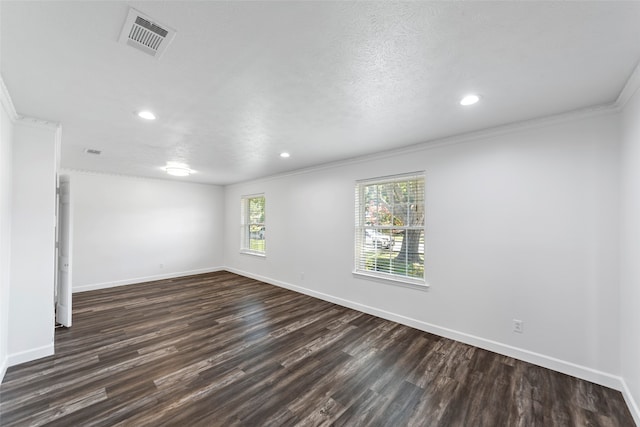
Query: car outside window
390, 228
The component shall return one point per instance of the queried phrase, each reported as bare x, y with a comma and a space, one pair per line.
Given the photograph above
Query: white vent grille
145, 34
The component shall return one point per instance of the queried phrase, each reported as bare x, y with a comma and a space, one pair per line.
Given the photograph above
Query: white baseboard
565, 367
3, 369
104, 285
634, 408
29, 355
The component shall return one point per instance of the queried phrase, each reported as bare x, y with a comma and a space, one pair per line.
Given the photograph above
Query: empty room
319, 213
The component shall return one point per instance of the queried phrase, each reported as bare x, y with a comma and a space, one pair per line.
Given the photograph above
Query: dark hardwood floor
224, 350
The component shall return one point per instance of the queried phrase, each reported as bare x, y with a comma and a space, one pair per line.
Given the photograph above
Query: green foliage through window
390, 220
253, 224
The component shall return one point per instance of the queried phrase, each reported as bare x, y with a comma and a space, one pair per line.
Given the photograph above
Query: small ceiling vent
143, 33
93, 151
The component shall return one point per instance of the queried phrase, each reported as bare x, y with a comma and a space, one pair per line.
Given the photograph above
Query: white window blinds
389, 227
252, 224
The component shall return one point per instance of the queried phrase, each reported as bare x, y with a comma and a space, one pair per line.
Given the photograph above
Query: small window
253, 230
390, 224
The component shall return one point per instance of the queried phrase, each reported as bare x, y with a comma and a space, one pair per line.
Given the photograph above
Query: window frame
246, 223
361, 227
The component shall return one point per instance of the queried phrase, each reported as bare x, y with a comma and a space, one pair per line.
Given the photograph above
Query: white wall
6, 142
31, 310
125, 228
630, 250
520, 224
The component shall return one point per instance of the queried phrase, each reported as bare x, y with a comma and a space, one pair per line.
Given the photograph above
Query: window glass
390, 225
253, 229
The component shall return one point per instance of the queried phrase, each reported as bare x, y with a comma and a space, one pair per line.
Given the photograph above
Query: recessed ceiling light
178, 169
469, 100
285, 155
147, 115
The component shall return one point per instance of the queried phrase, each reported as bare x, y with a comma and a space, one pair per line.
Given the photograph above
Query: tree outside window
390, 224
253, 224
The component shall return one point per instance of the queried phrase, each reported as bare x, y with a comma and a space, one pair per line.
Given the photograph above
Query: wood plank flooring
224, 350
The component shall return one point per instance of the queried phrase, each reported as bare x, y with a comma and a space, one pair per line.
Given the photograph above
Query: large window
253, 239
390, 222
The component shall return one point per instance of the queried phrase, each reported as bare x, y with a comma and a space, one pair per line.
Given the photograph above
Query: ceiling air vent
143, 33
93, 151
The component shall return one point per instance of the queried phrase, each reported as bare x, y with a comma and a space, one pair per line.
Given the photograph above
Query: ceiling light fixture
469, 100
147, 115
285, 155
178, 169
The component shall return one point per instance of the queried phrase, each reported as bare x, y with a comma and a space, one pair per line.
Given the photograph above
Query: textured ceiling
243, 81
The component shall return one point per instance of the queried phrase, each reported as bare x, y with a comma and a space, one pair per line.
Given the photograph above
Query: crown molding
66, 171
630, 88
38, 123
7, 103
475, 136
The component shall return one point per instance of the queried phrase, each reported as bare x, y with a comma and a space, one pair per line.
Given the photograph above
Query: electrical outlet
160, 265
518, 326
301, 276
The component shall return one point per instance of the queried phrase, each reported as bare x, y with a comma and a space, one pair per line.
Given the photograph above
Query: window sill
398, 281
254, 253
